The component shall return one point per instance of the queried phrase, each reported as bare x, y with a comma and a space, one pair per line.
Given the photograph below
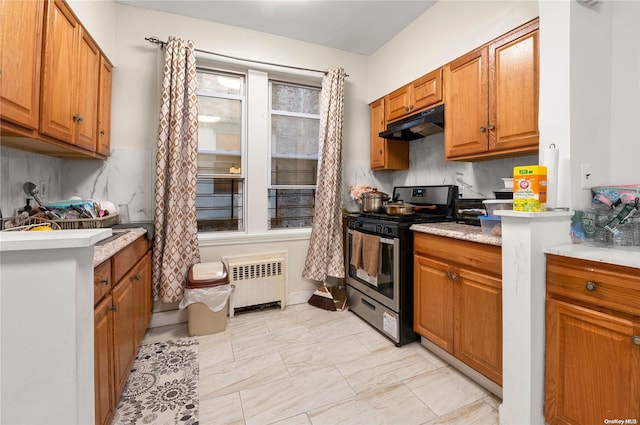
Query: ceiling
359, 26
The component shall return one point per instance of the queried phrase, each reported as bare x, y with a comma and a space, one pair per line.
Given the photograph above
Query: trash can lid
207, 274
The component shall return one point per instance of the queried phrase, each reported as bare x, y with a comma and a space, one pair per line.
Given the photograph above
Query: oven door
385, 286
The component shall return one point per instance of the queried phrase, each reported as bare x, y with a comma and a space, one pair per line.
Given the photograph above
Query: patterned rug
162, 388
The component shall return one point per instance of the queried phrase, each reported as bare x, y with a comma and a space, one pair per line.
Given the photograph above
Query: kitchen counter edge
620, 256
458, 231
104, 252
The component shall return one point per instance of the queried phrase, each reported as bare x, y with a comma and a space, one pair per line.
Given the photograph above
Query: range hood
416, 126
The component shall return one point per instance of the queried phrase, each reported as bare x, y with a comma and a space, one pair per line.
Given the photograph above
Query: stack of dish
507, 191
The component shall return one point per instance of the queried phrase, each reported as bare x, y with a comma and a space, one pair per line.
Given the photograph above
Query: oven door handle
382, 240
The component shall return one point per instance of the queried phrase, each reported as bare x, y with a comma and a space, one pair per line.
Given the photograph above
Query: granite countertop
106, 251
458, 231
622, 256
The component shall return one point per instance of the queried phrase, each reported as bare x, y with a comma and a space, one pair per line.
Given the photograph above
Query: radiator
257, 279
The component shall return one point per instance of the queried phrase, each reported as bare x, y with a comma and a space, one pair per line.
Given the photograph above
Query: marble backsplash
125, 178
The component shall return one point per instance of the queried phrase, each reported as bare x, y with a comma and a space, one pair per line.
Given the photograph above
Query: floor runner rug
162, 388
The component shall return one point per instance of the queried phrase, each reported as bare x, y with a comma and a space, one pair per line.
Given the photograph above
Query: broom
323, 299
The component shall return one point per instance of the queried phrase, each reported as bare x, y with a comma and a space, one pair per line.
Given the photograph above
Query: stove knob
379, 228
389, 230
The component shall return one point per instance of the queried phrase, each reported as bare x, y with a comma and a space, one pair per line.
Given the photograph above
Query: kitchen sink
117, 233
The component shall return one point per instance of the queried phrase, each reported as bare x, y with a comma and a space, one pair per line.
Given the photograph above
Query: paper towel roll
550, 160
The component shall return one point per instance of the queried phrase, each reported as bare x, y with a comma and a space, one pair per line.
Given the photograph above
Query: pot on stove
373, 201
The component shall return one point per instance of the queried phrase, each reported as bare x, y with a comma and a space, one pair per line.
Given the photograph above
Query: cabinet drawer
128, 257
487, 258
101, 281
599, 284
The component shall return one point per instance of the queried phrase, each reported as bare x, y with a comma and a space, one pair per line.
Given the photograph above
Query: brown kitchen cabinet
104, 108
414, 97
385, 154
49, 97
121, 319
458, 300
20, 61
592, 359
492, 98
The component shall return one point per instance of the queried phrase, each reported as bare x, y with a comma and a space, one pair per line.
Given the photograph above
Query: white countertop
55, 239
619, 255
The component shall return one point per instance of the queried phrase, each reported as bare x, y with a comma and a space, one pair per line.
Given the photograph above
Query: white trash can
206, 298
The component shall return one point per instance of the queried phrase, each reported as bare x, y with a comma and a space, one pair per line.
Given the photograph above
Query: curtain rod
155, 40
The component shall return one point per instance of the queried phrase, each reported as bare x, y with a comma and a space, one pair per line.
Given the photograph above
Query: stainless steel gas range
379, 255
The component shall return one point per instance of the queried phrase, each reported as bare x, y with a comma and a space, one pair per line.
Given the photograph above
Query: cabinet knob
448, 275
77, 118
105, 281
407, 108
102, 132
380, 151
454, 276
483, 129
636, 339
114, 307
590, 286
491, 126
136, 276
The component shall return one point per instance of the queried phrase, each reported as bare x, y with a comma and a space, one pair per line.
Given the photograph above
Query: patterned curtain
175, 244
324, 256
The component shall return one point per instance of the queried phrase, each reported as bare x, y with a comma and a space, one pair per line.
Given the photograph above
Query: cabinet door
86, 104
478, 323
20, 60
592, 368
399, 103
104, 108
467, 99
427, 90
103, 362
433, 302
124, 347
59, 72
513, 88
377, 143
141, 279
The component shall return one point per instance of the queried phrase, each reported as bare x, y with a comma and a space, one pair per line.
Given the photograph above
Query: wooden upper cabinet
492, 98
415, 96
69, 108
20, 61
104, 108
59, 71
385, 154
87, 81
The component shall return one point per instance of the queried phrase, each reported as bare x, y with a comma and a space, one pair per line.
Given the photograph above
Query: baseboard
166, 318
299, 297
468, 371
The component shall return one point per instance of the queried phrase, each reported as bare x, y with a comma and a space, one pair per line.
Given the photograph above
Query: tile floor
304, 365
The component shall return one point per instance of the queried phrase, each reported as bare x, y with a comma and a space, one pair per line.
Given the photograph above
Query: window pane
212, 83
294, 135
285, 97
218, 163
219, 204
290, 208
219, 124
292, 171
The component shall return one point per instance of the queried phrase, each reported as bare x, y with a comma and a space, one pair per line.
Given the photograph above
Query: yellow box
529, 188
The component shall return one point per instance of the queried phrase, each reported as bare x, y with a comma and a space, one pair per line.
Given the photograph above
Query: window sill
227, 238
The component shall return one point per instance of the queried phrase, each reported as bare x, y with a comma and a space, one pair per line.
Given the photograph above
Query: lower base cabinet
120, 322
458, 300
592, 362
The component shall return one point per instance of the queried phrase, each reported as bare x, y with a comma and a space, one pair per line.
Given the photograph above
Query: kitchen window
295, 124
221, 134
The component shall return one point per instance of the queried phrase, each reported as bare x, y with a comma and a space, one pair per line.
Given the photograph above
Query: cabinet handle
407, 108
448, 274
590, 286
77, 118
114, 307
136, 276
454, 276
105, 281
102, 132
636, 340
483, 129
380, 151
491, 126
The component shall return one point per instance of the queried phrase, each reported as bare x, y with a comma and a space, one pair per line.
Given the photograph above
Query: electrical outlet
585, 176
44, 190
